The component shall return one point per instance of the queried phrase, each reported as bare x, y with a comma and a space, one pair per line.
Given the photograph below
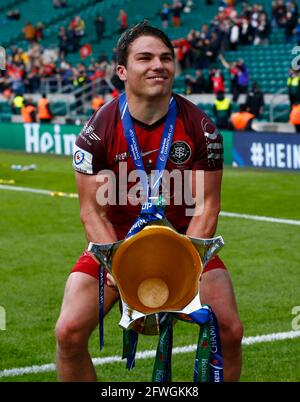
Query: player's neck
148, 111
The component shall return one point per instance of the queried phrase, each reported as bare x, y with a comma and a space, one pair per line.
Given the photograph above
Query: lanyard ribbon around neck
150, 210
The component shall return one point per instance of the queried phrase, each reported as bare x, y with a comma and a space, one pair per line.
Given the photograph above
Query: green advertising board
59, 139
227, 142
39, 138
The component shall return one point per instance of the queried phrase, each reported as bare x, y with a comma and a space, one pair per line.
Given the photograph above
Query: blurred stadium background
65, 50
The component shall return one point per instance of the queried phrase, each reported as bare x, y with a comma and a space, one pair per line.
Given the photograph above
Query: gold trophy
156, 270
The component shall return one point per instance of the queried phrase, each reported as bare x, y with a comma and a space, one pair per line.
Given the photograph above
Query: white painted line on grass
226, 214
279, 336
98, 361
260, 218
25, 189
38, 191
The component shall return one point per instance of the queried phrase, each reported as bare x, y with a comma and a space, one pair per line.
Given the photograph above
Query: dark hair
243, 107
129, 36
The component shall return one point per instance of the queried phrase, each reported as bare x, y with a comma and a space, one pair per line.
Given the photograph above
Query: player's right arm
93, 215
97, 227
89, 160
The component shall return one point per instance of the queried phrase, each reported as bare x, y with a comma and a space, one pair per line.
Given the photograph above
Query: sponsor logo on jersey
214, 142
89, 130
180, 152
121, 157
78, 157
82, 160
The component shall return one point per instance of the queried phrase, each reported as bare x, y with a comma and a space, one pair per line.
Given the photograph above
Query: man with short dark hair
100, 26
145, 63
197, 84
255, 100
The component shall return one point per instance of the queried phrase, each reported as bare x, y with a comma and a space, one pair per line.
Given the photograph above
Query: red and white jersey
101, 145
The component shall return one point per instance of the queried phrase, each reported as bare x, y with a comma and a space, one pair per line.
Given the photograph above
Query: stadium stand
268, 63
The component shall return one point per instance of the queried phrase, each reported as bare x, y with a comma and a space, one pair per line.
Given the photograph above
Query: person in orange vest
97, 102
295, 116
242, 120
28, 112
44, 112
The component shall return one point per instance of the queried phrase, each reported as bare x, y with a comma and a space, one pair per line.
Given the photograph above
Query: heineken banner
59, 139
39, 138
266, 150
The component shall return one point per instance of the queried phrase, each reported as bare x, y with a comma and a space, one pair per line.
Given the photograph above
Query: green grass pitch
41, 238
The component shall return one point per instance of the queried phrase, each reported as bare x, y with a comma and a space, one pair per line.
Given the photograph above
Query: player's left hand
110, 281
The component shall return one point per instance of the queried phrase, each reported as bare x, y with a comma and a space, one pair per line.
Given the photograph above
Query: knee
232, 332
69, 336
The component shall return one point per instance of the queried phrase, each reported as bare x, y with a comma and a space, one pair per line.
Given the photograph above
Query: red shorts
88, 265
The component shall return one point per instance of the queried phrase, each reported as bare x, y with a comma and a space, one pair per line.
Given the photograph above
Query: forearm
223, 61
98, 228
204, 225
208, 204
93, 216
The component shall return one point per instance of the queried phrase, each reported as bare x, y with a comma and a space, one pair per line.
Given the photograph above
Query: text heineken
39, 141
39, 138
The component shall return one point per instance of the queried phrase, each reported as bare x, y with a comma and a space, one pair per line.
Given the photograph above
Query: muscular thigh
80, 305
216, 290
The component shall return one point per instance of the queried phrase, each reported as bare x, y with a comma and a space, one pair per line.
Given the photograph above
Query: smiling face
150, 69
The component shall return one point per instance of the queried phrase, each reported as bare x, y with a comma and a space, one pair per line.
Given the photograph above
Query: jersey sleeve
89, 153
209, 145
207, 139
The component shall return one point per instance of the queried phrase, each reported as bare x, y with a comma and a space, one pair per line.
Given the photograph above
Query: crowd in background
201, 49
227, 31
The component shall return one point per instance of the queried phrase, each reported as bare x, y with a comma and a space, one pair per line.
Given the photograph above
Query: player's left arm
204, 222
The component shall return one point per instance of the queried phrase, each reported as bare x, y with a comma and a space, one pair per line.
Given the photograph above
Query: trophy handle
207, 248
104, 252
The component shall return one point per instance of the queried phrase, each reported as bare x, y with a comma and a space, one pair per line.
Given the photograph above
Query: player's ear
122, 72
